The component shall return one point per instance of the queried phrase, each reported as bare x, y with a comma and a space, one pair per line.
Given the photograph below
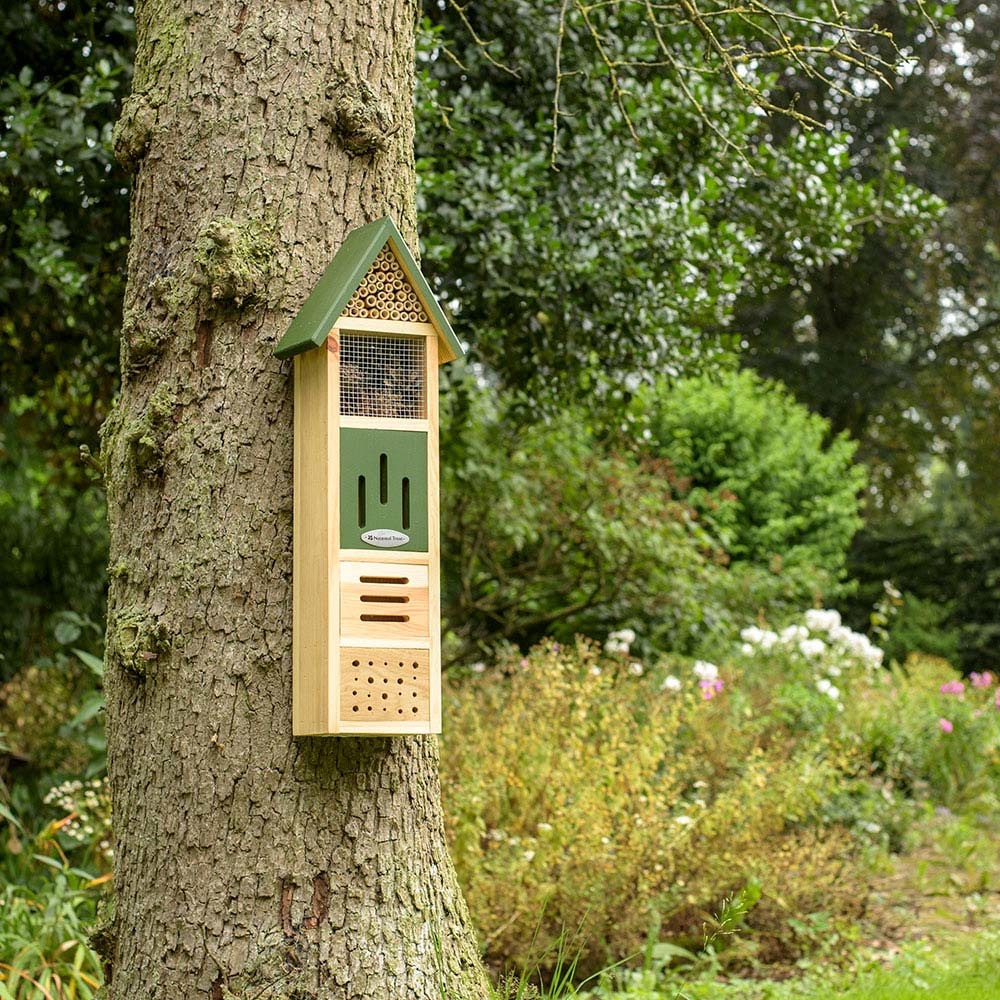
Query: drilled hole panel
383, 376
384, 685
386, 293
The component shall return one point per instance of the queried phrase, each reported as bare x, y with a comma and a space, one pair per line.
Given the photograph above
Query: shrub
550, 529
933, 734
587, 795
547, 532
760, 468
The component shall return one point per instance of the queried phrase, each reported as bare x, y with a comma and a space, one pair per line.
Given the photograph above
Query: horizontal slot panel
384, 601
384, 687
390, 575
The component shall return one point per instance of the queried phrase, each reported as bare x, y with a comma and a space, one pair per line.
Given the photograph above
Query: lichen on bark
232, 260
137, 642
147, 434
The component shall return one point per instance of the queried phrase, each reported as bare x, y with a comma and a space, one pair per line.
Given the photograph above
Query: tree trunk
251, 864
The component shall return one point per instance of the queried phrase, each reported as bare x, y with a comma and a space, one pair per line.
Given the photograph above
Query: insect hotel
366, 622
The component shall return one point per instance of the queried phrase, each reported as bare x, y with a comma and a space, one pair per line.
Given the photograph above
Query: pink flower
952, 687
524, 663
709, 689
983, 680
946, 726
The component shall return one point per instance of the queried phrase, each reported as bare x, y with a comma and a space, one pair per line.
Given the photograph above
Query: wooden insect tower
366, 624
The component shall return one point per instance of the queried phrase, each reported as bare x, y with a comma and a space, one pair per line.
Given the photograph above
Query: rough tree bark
251, 864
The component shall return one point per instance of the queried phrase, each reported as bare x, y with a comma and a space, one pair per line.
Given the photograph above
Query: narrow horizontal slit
385, 618
385, 579
375, 599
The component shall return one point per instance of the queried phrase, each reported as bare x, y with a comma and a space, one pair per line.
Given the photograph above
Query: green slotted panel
383, 485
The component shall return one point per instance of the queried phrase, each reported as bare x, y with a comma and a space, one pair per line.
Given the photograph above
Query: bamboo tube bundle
385, 293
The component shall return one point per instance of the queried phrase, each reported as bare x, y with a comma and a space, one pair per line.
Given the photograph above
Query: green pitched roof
340, 280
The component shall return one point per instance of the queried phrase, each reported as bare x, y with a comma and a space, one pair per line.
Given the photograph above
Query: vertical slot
383, 471
406, 501
362, 513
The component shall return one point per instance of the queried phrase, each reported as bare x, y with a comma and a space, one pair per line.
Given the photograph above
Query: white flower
747, 649
635, 668
595, 671
812, 647
825, 687
833, 670
794, 633
872, 827
822, 619
529, 855
683, 820
705, 671
620, 641
544, 827
478, 668
671, 683
768, 639
751, 634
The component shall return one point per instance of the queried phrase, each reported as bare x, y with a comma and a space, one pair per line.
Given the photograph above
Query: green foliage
47, 907
571, 286
946, 560
547, 532
960, 968
539, 520
53, 550
63, 232
758, 467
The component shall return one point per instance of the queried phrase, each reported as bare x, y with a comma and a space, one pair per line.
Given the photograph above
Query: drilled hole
385, 618
376, 599
355, 663
406, 502
385, 695
356, 709
383, 478
362, 514
371, 680
385, 579
415, 710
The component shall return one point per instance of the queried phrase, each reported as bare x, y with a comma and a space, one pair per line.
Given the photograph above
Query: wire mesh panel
383, 376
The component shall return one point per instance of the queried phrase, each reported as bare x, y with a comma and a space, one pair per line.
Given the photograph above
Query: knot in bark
233, 260
363, 123
133, 132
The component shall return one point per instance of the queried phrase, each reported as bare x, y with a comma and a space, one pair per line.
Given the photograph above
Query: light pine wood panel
314, 547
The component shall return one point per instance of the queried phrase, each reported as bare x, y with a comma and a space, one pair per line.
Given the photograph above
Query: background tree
896, 342
63, 234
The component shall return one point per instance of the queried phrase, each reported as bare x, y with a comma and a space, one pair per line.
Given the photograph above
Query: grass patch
961, 969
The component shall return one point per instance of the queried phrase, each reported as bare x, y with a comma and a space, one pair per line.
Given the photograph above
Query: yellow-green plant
588, 795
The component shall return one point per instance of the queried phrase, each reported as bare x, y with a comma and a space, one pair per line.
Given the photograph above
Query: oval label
385, 538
